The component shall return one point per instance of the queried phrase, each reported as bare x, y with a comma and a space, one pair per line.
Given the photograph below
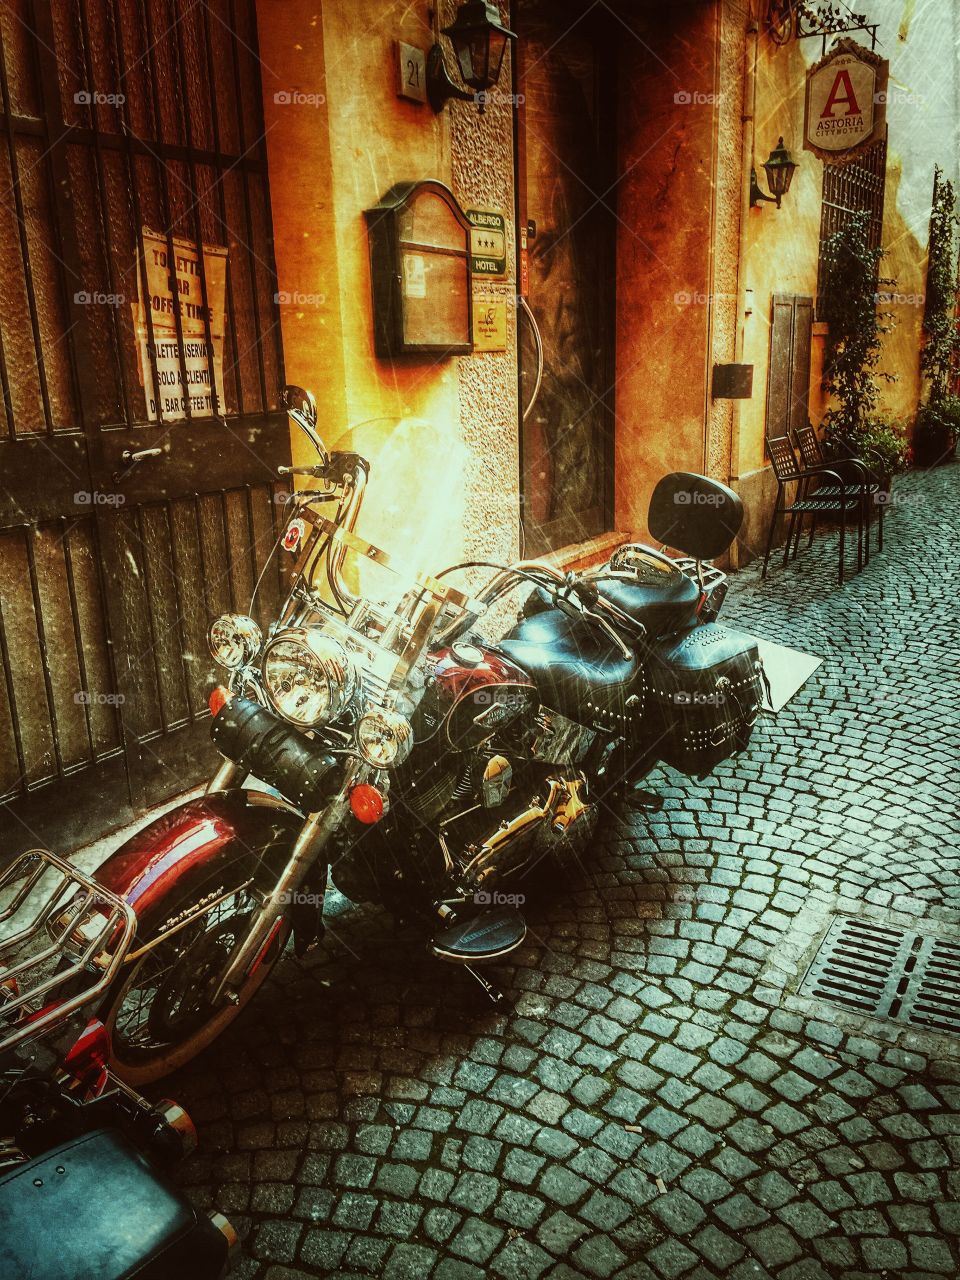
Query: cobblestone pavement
658, 1101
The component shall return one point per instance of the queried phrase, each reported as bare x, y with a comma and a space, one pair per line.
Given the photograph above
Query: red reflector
266, 947
366, 803
87, 1060
218, 699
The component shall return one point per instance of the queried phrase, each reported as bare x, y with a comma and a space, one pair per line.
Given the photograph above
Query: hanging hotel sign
845, 103
192, 376
488, 242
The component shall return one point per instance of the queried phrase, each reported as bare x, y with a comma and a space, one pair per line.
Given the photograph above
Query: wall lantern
779, 169
479, 41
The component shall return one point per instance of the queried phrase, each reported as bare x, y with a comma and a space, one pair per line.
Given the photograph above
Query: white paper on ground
787, 670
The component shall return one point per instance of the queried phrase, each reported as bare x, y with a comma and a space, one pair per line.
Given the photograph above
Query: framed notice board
420, 271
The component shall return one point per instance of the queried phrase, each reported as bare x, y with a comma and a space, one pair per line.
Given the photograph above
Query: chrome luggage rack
63, 937
644, 562
703, 572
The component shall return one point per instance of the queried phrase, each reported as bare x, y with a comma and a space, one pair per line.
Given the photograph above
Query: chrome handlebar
302, 408
557, 582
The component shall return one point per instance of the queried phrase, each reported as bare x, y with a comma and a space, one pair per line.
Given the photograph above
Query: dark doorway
566, 191
133, 136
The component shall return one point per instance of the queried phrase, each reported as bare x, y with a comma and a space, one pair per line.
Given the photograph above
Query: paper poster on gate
195, 376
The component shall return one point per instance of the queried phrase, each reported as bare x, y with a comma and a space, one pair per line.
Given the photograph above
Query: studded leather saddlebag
704, 689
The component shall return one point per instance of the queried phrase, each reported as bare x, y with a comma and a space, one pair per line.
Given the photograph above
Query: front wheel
158, 1012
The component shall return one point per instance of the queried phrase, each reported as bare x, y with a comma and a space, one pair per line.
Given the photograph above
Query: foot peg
485, 936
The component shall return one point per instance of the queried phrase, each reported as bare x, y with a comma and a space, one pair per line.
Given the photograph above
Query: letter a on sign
842, 92
845, 100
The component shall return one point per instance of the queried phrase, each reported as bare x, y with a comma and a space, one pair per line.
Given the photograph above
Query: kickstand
495, 994
638, 797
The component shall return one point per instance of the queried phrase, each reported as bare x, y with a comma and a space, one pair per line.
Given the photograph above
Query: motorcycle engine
402, 855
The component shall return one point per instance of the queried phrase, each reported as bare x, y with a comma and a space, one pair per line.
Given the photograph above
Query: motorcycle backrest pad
694, 514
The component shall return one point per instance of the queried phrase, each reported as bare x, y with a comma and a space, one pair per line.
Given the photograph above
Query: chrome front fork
224, 778
314, 834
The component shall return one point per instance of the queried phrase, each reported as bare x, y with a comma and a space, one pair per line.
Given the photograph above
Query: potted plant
936, 431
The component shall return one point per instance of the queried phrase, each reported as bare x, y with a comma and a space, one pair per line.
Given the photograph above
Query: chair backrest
809, 445
694, 514
783, 458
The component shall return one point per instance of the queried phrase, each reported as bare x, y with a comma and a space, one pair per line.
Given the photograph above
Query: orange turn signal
218, 699
366, 803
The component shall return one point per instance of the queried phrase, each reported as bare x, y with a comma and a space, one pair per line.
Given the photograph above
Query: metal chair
846, 499
874, 486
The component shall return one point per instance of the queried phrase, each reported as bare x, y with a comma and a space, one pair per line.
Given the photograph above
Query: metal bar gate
132, 151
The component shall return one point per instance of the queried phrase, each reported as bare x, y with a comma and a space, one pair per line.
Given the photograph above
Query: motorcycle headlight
234, 639
384, 738
309, 678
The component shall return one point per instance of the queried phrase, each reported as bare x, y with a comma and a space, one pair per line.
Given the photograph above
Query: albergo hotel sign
845, 102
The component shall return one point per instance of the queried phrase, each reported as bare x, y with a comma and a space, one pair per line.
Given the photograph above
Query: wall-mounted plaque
489, 322
488, 242
411, 72
420, 267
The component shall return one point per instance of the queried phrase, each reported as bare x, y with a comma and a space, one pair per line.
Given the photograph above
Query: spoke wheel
160, 1014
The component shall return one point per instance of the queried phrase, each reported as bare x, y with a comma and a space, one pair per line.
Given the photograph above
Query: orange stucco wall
440, 432
696, 269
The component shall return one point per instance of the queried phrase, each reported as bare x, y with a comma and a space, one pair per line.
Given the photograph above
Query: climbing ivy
855, 338
941, 345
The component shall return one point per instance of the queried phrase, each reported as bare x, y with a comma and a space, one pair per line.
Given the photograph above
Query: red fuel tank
472, 692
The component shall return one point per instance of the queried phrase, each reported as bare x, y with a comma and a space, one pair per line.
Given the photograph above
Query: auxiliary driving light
385, 738
234, 640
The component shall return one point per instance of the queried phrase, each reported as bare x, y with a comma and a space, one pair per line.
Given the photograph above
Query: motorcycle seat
575, 667
93, 1206
664, 600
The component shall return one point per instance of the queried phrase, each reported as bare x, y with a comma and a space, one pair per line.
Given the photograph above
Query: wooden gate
131, 134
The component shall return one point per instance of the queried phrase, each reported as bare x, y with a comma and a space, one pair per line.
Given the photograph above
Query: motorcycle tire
151, 1034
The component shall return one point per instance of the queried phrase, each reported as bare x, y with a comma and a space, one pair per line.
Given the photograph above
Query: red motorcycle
374, 737
83, 1191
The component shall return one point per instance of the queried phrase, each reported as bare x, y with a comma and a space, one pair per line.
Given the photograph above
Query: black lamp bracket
756, 195
440, 88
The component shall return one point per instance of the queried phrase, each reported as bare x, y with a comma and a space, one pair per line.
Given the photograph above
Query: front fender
200, 848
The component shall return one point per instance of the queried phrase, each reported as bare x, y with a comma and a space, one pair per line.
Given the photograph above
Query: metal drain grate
886, 972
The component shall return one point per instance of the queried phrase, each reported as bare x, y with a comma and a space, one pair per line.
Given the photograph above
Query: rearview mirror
302, 408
